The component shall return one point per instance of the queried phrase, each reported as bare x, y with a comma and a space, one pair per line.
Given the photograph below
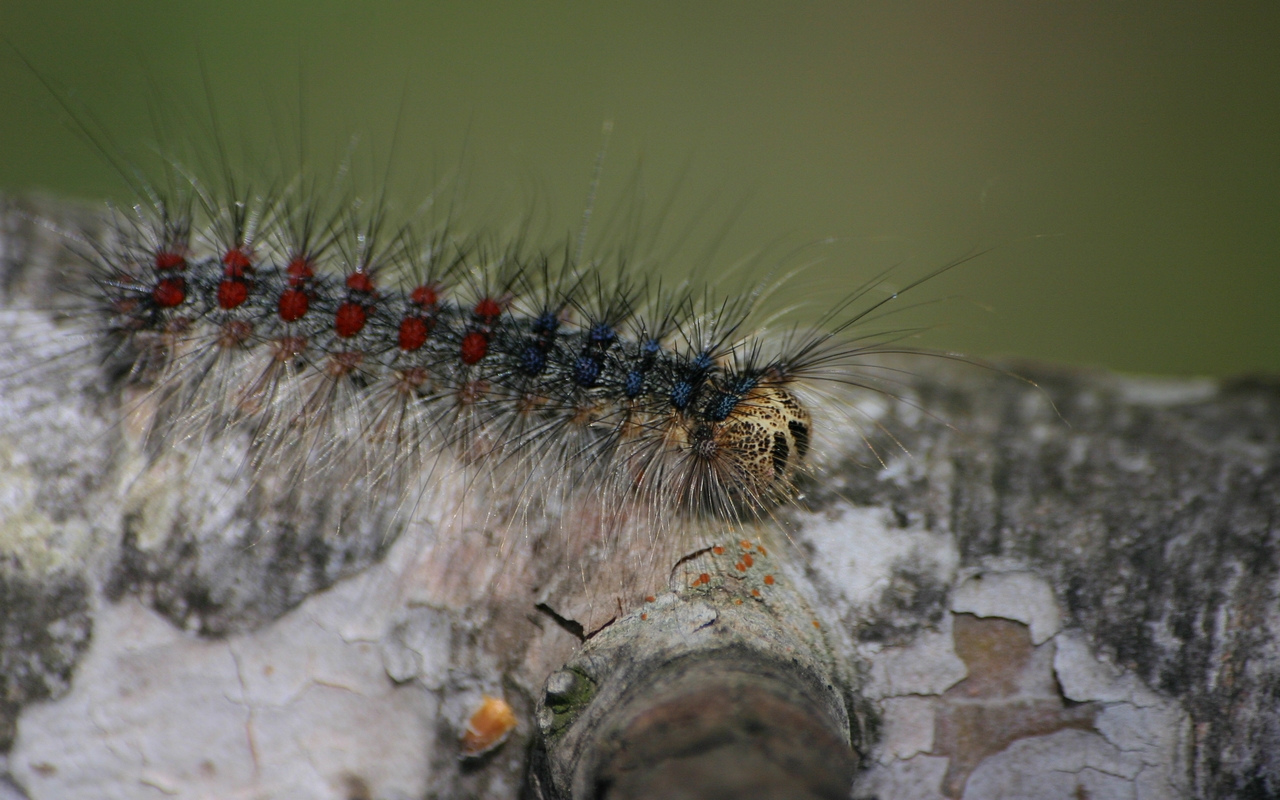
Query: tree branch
1020, 601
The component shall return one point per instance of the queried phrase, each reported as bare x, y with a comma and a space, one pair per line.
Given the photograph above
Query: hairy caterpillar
294, 378
364, 369
310, 331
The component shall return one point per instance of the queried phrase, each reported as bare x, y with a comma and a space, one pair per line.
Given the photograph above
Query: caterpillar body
499, 357
354, 371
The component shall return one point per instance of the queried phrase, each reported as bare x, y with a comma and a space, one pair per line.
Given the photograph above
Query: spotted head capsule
752, 441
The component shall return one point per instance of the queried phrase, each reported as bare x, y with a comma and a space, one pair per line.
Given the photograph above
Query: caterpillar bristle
355, 357
251, 319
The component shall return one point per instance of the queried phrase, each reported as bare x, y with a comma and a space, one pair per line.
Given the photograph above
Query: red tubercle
293, 304
487, 310
350, 319
360, 282
414, 332
426, 296
170, 260
718, 550
169, 292
236, 263
232, 292
299, 271
474, 347
746, 559
768, 580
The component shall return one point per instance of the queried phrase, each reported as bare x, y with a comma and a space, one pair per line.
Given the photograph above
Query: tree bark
995, 589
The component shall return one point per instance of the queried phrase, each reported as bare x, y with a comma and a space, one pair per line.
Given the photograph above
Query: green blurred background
1123, 158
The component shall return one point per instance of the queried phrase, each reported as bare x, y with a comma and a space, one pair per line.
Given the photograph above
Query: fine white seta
361, 369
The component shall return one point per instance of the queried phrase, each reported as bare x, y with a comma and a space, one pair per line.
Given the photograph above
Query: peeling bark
1020, 602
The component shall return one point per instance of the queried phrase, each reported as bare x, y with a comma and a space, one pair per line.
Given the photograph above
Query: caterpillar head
752, 457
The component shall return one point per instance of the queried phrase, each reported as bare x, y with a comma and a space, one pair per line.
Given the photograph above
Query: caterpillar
494, 355
407, 345
547, 411
368, 368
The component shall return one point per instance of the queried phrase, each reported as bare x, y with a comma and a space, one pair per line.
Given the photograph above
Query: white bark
1016, 604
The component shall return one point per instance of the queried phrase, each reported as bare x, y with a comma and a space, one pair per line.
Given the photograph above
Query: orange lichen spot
745, 545
740, 567
816, 624
650, 599
737, 601
768, 580
488, 727
763, 552
704, 578
718, 550
644, 616
747, 559
755, 592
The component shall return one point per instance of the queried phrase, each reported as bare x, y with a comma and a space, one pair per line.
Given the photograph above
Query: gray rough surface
726, 685
1029, 605
1153, 510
